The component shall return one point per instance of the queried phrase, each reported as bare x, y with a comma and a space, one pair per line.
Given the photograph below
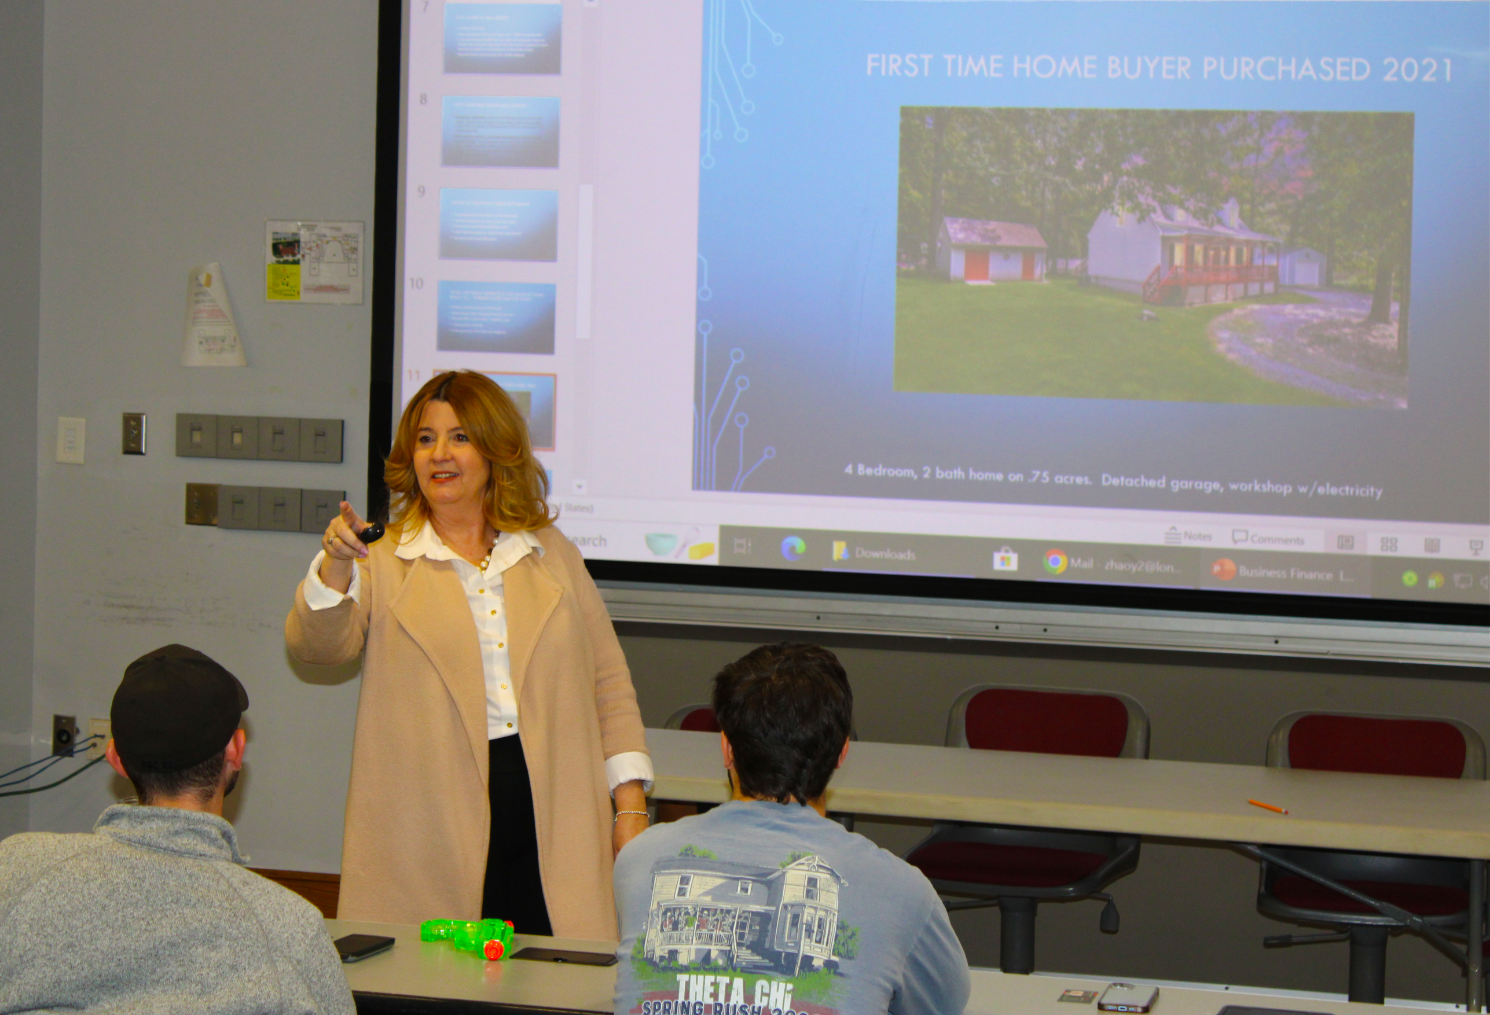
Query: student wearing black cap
153, 909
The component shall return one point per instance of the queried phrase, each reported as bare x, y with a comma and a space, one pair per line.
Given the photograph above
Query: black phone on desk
565, 955
356, 947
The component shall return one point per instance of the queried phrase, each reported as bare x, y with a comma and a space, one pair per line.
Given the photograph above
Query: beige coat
418, 818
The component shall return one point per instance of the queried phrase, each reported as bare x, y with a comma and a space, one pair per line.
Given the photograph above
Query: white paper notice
211, 334
313, 262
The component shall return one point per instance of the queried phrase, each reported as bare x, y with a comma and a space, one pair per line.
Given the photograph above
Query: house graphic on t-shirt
708, 912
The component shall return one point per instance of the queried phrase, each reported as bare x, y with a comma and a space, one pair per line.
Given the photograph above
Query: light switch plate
279, 440
72, 432
237, 507
196, 435
134, 433
318, 507
320, 440
237, 437
279, 508
201, 503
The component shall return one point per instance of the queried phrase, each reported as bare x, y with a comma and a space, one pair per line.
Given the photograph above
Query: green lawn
1062, 340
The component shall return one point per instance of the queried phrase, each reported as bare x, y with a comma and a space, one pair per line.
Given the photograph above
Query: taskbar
1413, 579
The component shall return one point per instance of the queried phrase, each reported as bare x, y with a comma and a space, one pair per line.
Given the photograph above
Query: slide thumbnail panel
499, 225
504, 131
503, 38
496, 317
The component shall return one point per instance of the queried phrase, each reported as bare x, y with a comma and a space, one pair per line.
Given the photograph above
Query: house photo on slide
1170, 255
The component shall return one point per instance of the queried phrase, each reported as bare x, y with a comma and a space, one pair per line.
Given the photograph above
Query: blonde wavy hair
517, 491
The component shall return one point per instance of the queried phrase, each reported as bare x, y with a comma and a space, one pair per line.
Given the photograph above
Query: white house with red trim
1173, 257
982, 251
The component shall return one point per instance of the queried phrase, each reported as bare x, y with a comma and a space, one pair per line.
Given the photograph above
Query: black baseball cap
175, 708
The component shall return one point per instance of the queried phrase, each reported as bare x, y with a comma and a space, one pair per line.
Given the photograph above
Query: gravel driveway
1324, 347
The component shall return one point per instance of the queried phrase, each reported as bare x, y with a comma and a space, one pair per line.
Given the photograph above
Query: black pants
514, 889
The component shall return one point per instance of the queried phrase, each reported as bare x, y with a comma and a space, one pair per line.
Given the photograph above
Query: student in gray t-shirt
153, 911
763, 906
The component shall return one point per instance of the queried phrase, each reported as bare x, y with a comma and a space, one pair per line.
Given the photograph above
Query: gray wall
20, 308
173, 129
1189, 911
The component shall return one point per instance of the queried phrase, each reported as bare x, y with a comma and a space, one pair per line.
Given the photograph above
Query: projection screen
1142, 308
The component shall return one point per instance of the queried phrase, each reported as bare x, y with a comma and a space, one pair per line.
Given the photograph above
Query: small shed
1301, 266
982, 251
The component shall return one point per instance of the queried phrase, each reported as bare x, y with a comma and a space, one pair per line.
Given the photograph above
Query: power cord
45, 763
38, 789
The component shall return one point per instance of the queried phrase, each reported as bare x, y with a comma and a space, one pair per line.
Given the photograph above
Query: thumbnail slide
1167, 256
499, 225
496, 317
534, 395
1174, 254
509, 131
503, 38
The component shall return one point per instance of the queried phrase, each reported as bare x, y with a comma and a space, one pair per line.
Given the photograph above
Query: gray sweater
154, 912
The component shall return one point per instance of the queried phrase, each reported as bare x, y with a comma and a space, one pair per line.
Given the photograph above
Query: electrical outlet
101, 730
201, 503
64, 734
134, 433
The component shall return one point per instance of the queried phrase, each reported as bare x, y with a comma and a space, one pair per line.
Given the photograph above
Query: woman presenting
497, 716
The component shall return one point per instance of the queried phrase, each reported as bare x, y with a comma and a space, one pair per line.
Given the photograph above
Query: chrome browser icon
792, 547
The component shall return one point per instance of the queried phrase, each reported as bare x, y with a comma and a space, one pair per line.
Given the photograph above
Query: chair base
1368, 964
1017, 934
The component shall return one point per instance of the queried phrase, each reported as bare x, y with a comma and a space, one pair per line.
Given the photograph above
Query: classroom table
1179, 799
432, 977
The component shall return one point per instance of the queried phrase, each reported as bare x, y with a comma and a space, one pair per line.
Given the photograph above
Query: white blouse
485, 596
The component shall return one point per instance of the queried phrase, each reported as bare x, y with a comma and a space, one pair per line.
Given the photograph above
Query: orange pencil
1267, 807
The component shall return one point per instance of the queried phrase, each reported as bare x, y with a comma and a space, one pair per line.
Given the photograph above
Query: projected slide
502, 38
1184, 295
496, 317
534, 395
500, 131
1087, 263
499, 225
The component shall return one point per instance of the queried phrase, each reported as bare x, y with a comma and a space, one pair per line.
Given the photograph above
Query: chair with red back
1012, 867
1434, 889
697, 718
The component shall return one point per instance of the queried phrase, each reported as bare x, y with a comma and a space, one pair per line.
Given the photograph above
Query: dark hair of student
200, 780
787, 710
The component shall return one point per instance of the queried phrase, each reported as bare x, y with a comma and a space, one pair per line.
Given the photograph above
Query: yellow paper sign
283, 282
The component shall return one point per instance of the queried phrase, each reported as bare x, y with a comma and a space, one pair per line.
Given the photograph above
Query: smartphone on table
356, 947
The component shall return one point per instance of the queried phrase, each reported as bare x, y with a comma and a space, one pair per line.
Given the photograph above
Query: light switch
320, 440
237, 507
134, 433
237, 437
279, 508
201, 503
196, 435
71, 436
279, 439
318, 507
